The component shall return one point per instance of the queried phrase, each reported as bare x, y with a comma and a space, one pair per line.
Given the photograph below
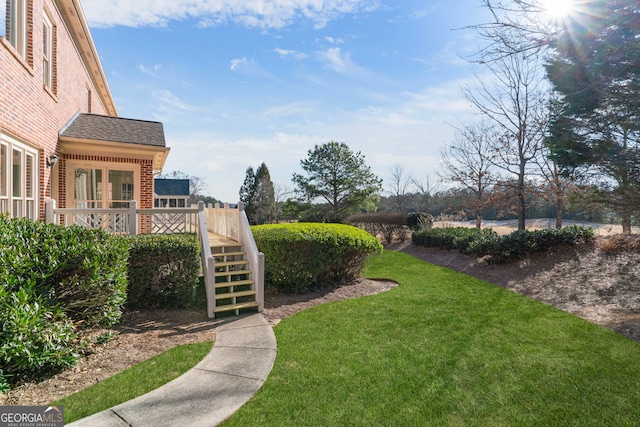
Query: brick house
60, 134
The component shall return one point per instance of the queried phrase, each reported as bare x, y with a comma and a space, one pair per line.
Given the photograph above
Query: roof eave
91, 146
74, 16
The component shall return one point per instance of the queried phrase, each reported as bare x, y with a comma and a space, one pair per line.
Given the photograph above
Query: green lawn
445, 349
133, 382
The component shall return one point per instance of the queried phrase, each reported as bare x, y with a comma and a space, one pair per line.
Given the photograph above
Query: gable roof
115, 129
171, 187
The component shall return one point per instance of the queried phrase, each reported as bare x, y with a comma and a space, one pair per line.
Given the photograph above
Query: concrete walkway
237, 366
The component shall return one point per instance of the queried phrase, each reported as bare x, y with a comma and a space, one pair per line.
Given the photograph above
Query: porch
232, 266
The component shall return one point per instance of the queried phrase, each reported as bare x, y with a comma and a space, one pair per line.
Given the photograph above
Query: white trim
19, 193
105, 167
17, 35
47, 51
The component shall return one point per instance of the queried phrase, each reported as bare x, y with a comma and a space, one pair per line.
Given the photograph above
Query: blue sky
237, 83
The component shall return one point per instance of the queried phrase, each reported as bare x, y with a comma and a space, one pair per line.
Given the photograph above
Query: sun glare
558, 9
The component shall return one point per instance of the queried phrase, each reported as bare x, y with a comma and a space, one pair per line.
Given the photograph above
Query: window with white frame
47, 52
16, 25
18, 178
99, 185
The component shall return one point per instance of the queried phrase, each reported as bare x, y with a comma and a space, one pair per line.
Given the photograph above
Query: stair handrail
254, 257
208, 261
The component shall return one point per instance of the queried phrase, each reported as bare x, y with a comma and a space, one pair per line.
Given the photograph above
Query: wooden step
248, 293
231, 273
239, 306
230, 263
233, 283
227, 254
220, 250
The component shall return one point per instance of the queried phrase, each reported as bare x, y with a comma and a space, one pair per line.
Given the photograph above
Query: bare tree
282, 193
469, 162
515, 102
399, 185
556, 186
515, 27
426, 188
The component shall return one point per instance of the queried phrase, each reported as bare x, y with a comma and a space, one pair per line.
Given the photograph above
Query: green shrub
301, 256
83, 271
449, 238
419, 221
500, 249
465, 238
35, 339
163, 270
4, 383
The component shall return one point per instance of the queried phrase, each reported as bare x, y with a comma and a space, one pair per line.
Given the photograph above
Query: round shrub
419, 221
81, 270
301, 256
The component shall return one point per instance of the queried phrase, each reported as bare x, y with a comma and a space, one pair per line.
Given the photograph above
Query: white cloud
340, 62
334, 40
169, 99
284, 53
153, 71
293, 109
250, 13
245, 65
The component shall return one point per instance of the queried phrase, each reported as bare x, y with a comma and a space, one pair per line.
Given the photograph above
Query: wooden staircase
235, 288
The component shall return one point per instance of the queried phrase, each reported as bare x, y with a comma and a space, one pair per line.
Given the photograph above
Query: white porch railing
231, 223
131, 220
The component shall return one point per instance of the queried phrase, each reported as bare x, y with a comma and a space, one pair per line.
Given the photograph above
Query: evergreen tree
596, 125
264, 199
338, 176
258, 195
247, 192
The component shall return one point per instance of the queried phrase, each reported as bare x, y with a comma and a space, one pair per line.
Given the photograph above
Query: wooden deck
218, 240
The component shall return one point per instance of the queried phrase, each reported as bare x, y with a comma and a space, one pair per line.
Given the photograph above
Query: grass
444, 348
133, 382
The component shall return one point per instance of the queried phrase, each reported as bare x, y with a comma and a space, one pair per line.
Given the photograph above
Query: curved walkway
238, 364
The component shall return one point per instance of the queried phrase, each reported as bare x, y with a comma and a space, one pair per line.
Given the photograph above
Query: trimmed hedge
499, 249
458, 238
302, 256
163, 270
82, 271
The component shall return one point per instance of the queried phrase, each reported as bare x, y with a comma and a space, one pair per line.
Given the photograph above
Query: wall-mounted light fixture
52, 160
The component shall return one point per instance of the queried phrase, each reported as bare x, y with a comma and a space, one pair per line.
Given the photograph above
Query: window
17, 25
47, 52
88, 99
99, 186
18, 172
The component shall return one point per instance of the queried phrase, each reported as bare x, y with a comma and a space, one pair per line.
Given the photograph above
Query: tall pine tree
258, 195
596, 123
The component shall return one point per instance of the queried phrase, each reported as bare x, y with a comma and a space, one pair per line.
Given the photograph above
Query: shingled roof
171, 187
115, 129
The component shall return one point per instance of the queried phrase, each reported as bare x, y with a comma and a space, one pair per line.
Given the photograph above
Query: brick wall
27, 110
